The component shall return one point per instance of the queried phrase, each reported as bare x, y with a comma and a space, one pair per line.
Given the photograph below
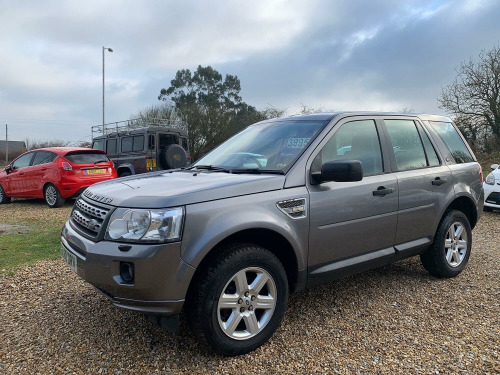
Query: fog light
127, 272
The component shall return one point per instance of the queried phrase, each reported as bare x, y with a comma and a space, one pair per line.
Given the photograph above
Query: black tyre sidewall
59, 201
125, 174
434, 259
252, 257
5, 198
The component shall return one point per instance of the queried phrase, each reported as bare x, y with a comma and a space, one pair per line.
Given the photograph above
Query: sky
383, 55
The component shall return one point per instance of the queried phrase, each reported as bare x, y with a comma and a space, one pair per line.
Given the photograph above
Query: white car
491, 187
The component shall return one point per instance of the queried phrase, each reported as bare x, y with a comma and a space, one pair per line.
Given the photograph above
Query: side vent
294, 208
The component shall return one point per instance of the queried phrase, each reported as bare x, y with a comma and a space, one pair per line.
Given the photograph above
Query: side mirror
339, 171
494, 166
8, 169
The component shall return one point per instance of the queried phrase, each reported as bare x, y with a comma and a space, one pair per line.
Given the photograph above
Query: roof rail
138, 123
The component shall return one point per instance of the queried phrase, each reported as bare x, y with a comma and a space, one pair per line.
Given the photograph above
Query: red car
54, 173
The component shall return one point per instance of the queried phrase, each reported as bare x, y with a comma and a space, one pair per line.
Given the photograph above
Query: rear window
86, 157
453, 141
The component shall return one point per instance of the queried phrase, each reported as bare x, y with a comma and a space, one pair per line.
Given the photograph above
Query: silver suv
283, 205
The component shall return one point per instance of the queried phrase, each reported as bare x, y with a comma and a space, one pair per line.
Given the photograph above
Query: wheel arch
466, 205
266, 238
125, 168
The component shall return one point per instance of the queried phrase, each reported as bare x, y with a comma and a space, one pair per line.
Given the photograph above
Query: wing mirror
339, 171
8, 169
494, 166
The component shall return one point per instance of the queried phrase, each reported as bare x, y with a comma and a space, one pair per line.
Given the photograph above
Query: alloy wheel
247, 303
455, 244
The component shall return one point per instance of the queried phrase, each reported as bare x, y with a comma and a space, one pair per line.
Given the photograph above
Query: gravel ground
395, 319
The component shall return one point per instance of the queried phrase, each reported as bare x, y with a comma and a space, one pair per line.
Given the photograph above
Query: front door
352, 223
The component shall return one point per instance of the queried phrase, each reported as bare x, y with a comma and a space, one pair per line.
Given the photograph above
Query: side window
138, 143
355, 140
432, 158
453, 141
111, 147
23, 161
43, 157
127, 144
98, 144
406, 144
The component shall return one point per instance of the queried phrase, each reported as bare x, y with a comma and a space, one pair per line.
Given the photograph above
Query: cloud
356, 54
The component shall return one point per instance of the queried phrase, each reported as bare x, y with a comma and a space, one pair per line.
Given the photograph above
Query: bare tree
32, 144
474, 97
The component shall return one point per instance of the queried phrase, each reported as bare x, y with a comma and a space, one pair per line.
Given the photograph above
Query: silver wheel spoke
447, 243
462, 244
456, 257
232, 322
451, 233
449, 255
265, 302
240, 279
259, 283
251, 323
459, 231
228, 301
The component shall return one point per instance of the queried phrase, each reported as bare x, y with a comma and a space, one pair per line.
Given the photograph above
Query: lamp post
110, 50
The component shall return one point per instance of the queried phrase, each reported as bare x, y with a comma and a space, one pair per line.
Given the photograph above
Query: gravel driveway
395, 319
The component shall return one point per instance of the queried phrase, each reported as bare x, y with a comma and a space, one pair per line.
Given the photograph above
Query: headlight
135, 225
490, 179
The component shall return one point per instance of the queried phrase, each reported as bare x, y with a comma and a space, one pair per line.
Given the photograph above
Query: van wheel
125, 174
4, 199
239, 300
52, 196
449, 253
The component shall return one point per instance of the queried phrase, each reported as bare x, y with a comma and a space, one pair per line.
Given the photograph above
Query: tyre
239, 300
52, 196
3, 197
449, 253
125, 174
487, 209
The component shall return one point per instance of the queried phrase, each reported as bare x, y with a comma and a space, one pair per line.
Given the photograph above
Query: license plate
151, 163
95, 171
69, 258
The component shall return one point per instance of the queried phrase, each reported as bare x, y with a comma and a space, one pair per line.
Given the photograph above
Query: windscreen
86, 157
267, 146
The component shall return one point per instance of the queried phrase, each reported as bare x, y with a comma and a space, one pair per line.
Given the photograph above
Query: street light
110, 50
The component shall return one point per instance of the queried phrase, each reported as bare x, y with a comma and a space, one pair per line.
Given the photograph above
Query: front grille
88, 218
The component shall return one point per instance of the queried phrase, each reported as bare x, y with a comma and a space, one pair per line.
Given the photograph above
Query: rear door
424, 181
41, 171
352, 224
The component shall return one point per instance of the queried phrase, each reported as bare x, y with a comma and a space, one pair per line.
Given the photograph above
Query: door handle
382, 191
439, 181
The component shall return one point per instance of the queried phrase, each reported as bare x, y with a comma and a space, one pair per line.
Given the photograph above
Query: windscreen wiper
210, 168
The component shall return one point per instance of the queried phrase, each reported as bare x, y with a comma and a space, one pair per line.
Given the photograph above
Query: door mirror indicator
339, 171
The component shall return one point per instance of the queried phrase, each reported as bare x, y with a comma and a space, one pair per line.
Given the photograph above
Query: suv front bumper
161, 277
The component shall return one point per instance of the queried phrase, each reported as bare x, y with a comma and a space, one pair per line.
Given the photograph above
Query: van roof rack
133, 124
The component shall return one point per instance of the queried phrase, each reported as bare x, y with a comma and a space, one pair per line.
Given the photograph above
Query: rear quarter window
86, 158
453, 141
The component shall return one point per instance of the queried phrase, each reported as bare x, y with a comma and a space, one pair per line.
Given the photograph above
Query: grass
27, 248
